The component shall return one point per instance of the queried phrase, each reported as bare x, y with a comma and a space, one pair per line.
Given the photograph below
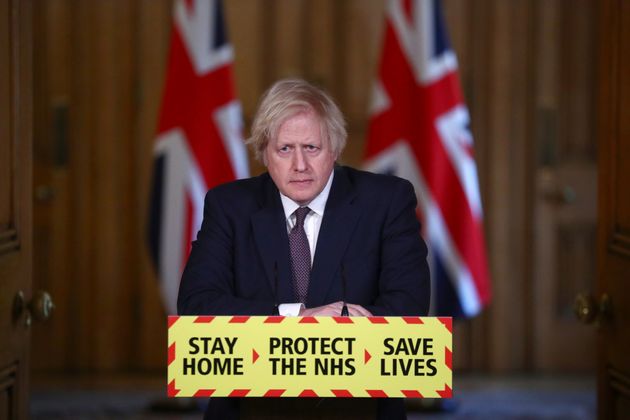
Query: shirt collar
317, 205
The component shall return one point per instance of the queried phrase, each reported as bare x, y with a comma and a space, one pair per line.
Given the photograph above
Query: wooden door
15, 206
98, 75
614, 212
565, 195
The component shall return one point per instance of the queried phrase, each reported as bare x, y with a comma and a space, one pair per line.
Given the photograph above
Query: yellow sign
259, 356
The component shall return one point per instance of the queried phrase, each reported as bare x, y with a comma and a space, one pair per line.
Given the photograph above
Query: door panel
614, 212
15, 207
565, 193
565, 252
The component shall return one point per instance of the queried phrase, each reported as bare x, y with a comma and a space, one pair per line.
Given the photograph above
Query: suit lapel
270, 233
340, 219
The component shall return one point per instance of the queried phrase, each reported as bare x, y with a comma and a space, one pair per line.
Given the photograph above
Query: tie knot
300, 215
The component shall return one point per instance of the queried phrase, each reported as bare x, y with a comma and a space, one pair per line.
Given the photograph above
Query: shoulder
364, 181
246, 186
242, 193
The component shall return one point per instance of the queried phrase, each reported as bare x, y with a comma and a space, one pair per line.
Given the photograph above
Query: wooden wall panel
507, 184
82, 234
152, 35
363, 23
51, 216
321, 38
114, 254
477, 80
251, 56
577, 81
286, 51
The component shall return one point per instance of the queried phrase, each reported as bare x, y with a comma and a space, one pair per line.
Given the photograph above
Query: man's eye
284, 149
311, 148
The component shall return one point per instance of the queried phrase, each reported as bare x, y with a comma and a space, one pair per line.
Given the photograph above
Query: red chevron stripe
412, 320
172, 319
239, 393
171, 354
343, 320
448, 322
273, 319
448, 358
308, 393
204, 319
239, 319
376, 393
378, 320
308, 320
341, 393
204, 393
171, 391
411, 393
274, 393
447, 392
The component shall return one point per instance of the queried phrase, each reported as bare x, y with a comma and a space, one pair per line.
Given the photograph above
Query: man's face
298, 159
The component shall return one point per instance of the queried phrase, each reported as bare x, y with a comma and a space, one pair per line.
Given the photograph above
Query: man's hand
334, 309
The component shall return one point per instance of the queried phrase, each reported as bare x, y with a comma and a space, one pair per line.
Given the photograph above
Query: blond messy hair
287, 98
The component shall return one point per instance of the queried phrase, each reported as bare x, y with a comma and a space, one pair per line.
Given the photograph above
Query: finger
336, 305
319, 311
332, 309
329, 311
353, 311
358, 310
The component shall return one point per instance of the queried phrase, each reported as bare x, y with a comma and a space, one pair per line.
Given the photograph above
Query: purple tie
300, 255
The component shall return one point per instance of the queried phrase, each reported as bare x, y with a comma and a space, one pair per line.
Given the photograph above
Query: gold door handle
589, 310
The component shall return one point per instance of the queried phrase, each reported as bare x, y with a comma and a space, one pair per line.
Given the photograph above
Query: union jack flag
419, 130
199, 142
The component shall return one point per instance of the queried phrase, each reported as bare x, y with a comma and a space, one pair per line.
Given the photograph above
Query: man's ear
263, 157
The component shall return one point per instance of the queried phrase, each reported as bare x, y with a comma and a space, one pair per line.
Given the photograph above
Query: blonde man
308, 237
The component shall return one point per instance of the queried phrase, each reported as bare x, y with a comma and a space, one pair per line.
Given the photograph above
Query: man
309, 237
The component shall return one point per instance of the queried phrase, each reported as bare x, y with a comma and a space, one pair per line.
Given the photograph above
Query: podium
277, 367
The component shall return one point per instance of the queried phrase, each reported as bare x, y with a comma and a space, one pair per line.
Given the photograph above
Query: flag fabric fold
419, 130
199, 140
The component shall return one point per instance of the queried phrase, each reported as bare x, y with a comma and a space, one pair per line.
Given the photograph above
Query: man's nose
299, 160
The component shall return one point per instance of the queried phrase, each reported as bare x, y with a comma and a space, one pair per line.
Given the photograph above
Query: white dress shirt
312, 224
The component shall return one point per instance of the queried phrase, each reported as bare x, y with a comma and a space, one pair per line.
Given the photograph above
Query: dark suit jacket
239, 264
